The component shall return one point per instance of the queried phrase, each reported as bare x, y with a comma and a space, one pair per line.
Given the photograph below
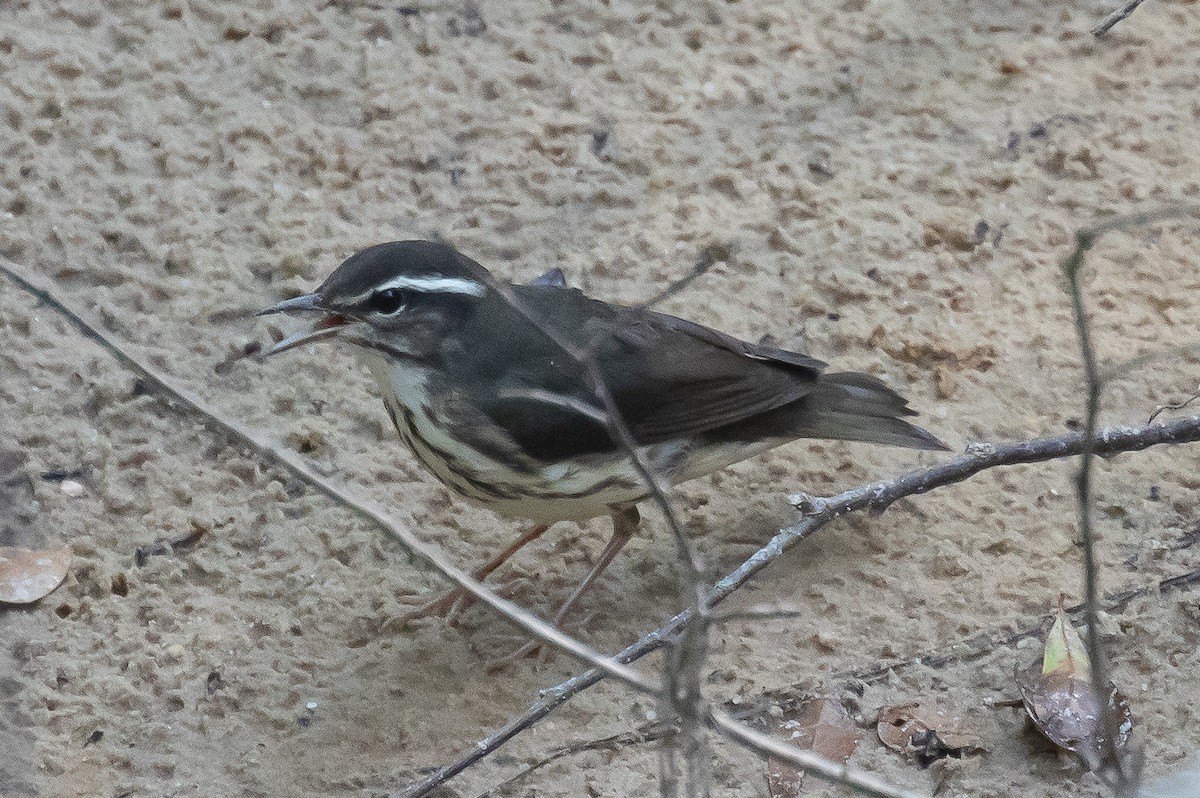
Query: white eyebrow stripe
433, 284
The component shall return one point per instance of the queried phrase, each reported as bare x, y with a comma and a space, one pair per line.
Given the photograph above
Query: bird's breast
474, 457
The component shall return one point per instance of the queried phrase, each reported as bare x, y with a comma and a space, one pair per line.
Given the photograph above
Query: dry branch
1115, 17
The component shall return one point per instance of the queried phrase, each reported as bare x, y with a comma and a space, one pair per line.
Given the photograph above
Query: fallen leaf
819, 724
27, 575
1060, 700
926, 732
1065, 651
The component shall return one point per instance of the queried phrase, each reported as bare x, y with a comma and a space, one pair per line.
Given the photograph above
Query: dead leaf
926, 732
819, 724
1060, 700
27, 575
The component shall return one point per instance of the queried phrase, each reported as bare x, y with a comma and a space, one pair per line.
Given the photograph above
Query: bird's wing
671, 378
668, 377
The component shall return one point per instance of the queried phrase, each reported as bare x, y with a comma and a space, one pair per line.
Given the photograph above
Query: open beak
328, 326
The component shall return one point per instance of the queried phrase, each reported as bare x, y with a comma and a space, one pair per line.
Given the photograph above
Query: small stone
71, 487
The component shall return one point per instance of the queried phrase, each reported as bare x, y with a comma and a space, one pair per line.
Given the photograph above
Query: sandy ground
898, 181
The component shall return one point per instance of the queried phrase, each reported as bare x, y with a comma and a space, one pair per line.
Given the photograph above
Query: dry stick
415, 548
1083, 496
783, 696
1158, 411
1084, 240
1112, 19
876, 497
1114, 603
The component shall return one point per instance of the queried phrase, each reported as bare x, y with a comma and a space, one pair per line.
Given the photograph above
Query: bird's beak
327, 326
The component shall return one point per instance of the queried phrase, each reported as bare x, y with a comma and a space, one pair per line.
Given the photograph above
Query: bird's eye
388, 301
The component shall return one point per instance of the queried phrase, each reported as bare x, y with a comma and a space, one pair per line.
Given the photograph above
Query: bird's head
402, 299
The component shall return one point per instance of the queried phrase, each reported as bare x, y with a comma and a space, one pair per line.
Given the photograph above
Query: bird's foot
450, 605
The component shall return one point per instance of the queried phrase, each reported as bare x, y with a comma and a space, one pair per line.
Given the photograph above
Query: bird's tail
857, 407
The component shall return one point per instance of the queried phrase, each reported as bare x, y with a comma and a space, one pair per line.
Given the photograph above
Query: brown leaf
27, 575
926, 732
819, 724
1067, 713
1061, 701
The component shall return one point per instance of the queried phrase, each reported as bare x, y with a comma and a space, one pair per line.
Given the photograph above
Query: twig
1114, 604
739, 732
1112, 19
875, 496
709, 257
758, 708
1084, 240
1176, 406
169, 390
647, 733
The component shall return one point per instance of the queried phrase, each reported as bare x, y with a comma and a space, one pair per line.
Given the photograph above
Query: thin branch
1115, 17
1084, 240
876, 496
1174, 406
650, 732
709, 256
759, 708
166, 388
1114, 603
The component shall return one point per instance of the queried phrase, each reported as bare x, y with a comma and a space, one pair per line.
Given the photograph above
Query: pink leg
625, 523
457, 599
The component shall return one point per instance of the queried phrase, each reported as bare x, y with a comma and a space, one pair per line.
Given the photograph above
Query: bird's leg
458, 599
625, 523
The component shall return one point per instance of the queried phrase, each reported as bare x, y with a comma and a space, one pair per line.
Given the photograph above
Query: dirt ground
898, 183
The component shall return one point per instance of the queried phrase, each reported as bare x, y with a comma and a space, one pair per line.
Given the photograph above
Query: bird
532, 399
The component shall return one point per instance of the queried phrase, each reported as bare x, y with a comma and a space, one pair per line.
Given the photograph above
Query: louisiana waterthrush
483, 381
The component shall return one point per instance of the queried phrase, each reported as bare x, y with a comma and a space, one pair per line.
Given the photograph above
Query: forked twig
1084, 241
1158, 411
1126, 782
